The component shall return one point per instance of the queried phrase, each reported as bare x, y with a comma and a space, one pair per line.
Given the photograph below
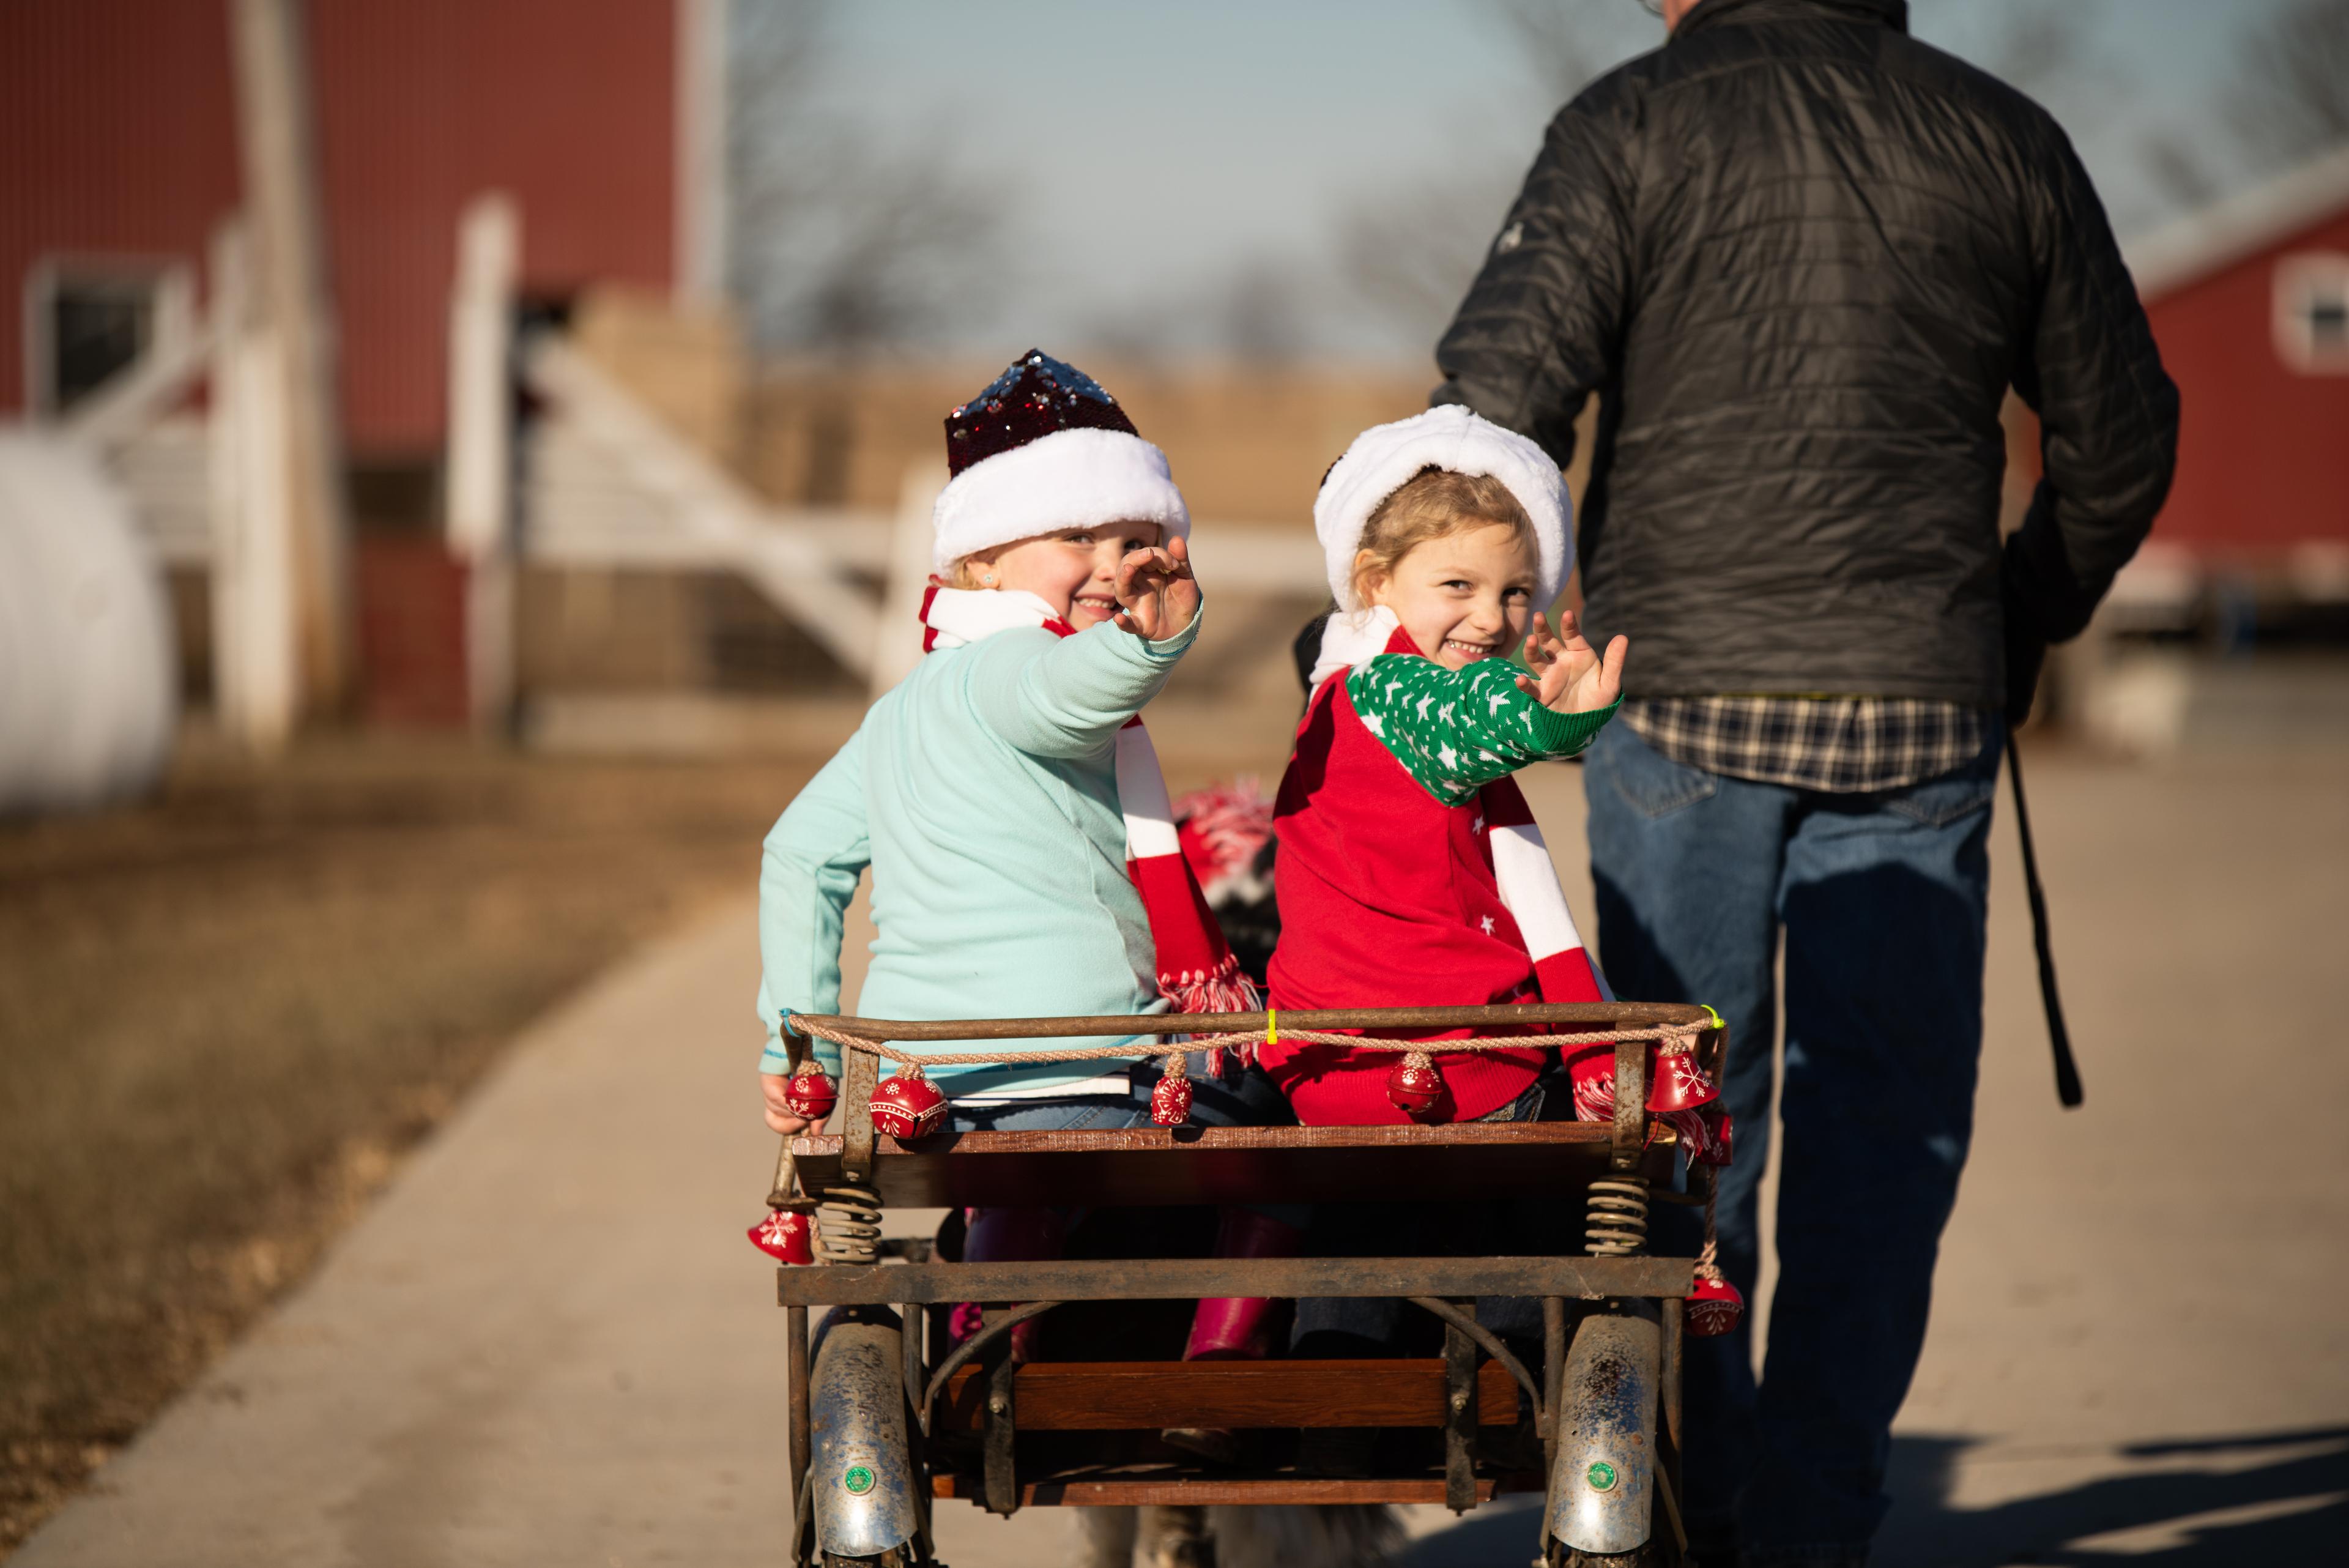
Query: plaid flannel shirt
1846, 745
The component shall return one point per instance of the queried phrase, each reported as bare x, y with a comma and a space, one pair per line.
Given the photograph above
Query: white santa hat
1045, 449
1385, 457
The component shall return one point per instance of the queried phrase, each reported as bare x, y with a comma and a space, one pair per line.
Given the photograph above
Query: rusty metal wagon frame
906, 1419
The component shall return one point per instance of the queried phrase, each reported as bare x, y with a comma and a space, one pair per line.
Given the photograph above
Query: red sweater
1388, 898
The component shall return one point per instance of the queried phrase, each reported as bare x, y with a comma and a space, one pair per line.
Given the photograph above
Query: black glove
1307, 648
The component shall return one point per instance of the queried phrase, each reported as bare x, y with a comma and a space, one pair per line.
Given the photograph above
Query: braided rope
1675, 1039
1708, 1266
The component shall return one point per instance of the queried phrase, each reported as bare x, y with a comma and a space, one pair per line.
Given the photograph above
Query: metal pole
1552, 1374
801, 1441
1577, 1016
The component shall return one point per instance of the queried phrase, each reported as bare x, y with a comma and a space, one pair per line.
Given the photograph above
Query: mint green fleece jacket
982, 792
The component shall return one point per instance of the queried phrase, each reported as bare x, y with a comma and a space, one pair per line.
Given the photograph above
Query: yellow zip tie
1709, 1013
1272, 1026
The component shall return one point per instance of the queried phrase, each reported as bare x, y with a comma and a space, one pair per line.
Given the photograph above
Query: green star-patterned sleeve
1456, 730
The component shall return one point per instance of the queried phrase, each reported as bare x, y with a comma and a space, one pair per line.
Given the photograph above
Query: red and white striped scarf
1196, 970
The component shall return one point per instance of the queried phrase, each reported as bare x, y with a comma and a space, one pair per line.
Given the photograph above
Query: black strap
2068, 1072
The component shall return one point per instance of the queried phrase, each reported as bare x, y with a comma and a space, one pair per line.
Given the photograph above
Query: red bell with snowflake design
1713, 1307
810, 1094
1415, 1087
785, 1236
1170, 1099
1679, 1084
908, 1106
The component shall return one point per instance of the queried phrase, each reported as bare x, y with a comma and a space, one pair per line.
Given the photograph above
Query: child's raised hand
778, 1110
1568, 676
1156, 594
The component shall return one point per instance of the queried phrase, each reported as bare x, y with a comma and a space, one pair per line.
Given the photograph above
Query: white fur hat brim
1081, 478
1384, 458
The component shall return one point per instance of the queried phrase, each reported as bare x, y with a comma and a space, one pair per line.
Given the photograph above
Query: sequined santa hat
1042, 449
1385, 457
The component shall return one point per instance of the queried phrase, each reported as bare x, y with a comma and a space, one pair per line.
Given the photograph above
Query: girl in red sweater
1410, 872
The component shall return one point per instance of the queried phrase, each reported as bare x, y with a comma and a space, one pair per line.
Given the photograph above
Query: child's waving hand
1568, 676
1156, 594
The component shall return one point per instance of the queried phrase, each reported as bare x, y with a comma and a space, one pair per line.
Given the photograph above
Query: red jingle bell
1415, 1087
1716, 1148
1713, 1307
810, 1094
1679, 1084
785, 1236
908, 1106
1170, 1100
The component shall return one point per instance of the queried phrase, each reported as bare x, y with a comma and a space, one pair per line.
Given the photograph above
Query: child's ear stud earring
988, 581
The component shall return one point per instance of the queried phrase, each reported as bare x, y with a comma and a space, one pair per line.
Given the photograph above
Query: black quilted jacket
1801, 257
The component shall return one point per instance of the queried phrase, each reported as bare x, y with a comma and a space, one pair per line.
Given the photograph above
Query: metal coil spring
1615, 1223
848, 1223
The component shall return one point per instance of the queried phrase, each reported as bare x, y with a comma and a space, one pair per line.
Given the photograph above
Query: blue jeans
1882, 898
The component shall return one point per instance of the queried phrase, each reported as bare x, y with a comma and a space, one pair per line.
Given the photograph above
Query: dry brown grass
225, 1015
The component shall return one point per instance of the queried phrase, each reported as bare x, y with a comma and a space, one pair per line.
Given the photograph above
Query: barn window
89, 318
2311, 312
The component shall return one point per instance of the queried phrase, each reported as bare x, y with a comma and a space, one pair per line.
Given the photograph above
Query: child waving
1410, 872
1009, 806
1023, 851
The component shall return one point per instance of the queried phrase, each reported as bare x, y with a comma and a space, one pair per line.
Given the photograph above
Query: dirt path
549, 1344
228, 1011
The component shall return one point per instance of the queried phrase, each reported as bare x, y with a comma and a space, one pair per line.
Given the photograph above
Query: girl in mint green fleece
1024, 862
983, 790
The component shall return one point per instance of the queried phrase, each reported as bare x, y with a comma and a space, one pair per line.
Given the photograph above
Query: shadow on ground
2215, 1502
2218, 1502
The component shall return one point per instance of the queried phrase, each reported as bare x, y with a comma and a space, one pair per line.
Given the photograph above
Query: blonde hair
1435, 503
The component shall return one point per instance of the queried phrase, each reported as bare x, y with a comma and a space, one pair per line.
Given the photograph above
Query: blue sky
1141, 154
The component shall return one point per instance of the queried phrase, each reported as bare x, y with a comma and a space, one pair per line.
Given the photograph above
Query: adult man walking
1801, 257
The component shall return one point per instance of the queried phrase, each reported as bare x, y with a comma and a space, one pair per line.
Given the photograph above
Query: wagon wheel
1604, 1507
865, 1483
1651, 1555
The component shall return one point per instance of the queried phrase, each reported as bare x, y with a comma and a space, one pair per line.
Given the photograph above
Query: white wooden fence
601, 481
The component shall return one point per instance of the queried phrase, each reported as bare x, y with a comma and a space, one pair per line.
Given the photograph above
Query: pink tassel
1594, 1101
1224, 989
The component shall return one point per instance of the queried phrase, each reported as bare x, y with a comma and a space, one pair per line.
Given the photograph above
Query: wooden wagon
887, 1419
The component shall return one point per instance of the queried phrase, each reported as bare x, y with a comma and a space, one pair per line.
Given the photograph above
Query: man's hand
1156, 595
1568, 676
778, 1110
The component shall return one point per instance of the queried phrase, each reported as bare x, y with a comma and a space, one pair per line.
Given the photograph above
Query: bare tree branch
1261, 314
2040, 46
1410, 258
844, 243
2179, 172
1553, 43
2291, 98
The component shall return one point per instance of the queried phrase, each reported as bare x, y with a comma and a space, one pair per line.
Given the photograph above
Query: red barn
122, 159
119, 159
2250, 301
